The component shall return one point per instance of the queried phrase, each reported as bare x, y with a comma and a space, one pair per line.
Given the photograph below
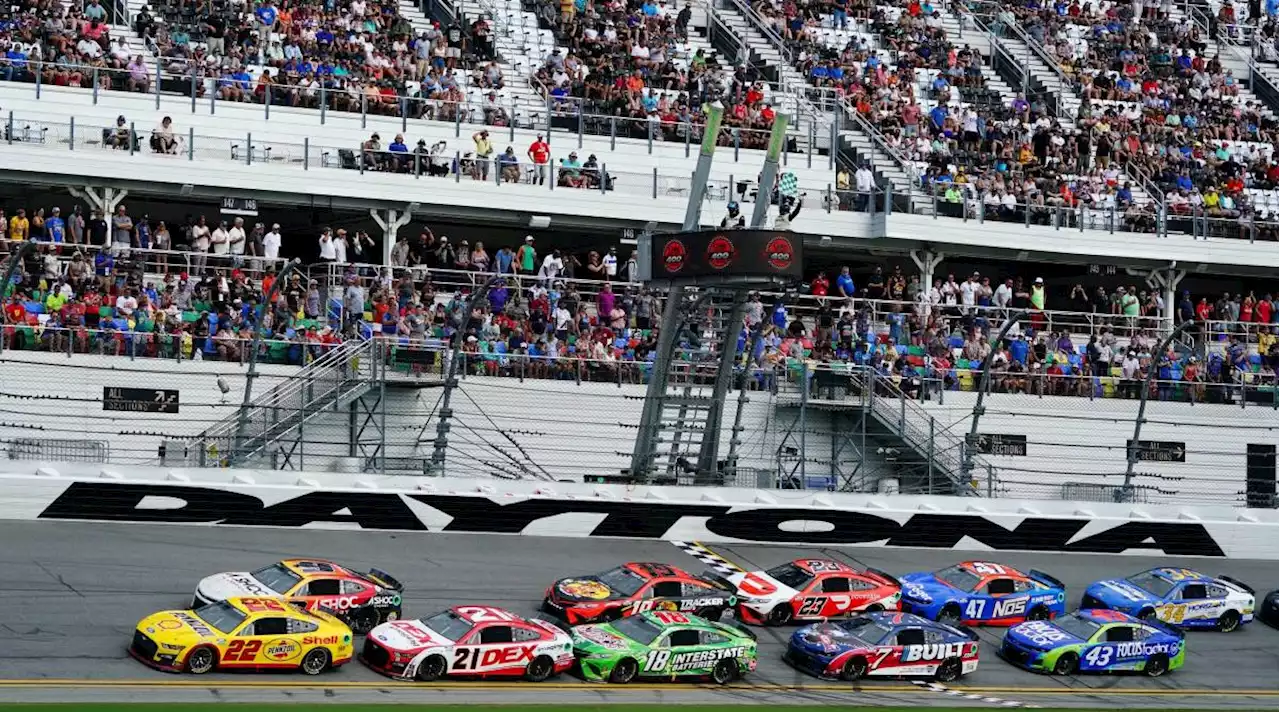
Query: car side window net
911, 636
665, 589
495, 634
835, 584
323, 587
680, 638
1120, 634
271, 626
1194, 592
1000, 587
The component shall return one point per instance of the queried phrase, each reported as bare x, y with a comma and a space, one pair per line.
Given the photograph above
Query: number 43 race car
983, 593
1179, 597
468, 641
1094, 641
884, 644
810, 589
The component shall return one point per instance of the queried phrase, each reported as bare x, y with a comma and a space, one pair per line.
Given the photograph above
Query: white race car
469, 641
811, 590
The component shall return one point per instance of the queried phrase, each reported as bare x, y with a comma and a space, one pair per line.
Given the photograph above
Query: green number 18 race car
663, 644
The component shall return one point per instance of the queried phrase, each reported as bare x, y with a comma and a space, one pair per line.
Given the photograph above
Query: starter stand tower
706, 276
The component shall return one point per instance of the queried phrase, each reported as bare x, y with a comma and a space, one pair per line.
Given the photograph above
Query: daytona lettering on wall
233, 505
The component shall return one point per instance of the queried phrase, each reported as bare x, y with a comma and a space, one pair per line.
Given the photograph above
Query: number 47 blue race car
983, 593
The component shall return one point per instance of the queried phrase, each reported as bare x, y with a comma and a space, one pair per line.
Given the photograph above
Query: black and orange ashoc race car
635, 588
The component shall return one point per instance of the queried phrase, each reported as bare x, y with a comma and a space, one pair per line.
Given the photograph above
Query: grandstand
943, 135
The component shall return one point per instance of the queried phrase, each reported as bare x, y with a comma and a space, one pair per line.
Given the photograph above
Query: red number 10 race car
468, 641
812, 589
635, 588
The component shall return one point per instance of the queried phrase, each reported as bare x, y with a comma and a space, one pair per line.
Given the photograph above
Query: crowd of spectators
96, 285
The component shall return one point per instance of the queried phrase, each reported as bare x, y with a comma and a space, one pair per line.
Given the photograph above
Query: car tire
854, 669
201, 660
1156, 666
315, 661
1039, 613
873, 608
1067, 664
539, 669
725, 671
362, 621
950, 614
1149, 614
712, 614
432, 669
950, 670
623, 672
1228, 621
781, 614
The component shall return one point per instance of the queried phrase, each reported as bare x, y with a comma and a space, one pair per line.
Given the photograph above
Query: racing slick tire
950, 670
362, 621
873, 608
201, 661
1149, 614
432, 669
625, 671
540, 669
711, 613
854, 669
780, 615
724, 672
1039, 613
1228, 621
950, 614
1066, 664
315, 661
1156, 666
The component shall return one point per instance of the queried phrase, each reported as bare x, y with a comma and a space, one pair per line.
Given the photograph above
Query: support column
927, 262
105, 199
1167, 281
390, 220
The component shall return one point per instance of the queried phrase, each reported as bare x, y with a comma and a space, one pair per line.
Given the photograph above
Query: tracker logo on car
674, 255
779, 253
932, 651
720, 252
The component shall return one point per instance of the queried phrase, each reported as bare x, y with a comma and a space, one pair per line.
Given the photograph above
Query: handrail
878, 139
1202, 22
759, 24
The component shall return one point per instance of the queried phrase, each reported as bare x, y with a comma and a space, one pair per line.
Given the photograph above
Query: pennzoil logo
779, 253
720, 252
674, 255
282, 649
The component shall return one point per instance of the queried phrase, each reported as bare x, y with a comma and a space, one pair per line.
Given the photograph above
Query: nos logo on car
1000, 608
933, 651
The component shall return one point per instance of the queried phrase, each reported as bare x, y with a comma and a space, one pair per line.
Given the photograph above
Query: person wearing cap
571, 171
484, 153
526, 256
540, 154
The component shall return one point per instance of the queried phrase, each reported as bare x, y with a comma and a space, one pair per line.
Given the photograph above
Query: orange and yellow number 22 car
242, 634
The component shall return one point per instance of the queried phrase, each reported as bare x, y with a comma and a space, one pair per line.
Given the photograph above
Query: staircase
327, 384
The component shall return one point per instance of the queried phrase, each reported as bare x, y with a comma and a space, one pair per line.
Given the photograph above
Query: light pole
267, 300
1132, 450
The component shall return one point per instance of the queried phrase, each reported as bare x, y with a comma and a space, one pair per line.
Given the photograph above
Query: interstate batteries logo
664, 661
779, 253
720, 252
674, 255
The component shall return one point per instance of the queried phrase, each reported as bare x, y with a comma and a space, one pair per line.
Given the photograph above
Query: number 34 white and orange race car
242, 634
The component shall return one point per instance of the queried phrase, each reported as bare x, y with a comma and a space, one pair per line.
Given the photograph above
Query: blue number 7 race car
1094, 641
1179, 597
982, 593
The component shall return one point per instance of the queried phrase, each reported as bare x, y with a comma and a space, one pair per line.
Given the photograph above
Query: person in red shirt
820, 285
1262, 310
1203, 310
540, 153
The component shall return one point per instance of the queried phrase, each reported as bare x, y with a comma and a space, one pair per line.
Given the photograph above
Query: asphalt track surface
72, 592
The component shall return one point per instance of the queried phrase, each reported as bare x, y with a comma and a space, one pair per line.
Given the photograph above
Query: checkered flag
788, 184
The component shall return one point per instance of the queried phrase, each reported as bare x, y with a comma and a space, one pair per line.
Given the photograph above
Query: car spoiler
885, 575
738, 628
717, 578
1238, 583
967, 632
384, 579
553, 621
1042, 577
1163, 627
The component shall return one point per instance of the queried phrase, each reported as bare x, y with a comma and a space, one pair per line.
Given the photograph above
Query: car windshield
864, 629
1149, 582
622, 581
790, 575
221, 615
638, 628
277, 578
958, 578
1077, 625
448, 624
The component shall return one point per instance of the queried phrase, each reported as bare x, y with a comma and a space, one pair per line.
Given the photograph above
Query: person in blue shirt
1018, 349
938, 115
780, 315
324, 36
54, 228
844, 284
266, 15
650, 8
16, 67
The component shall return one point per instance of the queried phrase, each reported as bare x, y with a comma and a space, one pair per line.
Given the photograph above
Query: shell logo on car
580, 588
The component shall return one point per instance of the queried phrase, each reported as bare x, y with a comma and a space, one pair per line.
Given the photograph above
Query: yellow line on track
561, 687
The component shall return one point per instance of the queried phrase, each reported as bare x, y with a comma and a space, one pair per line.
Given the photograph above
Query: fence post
457, 162
688, 136
613, 133
157, 92
95, 86
655, 172
266, 102
306, 153
649, 134
512, 123
324, 104
248, 149
580, 120
364, 110
39, 82
191, 143
133, 138
71, 139
193, 99
604, 177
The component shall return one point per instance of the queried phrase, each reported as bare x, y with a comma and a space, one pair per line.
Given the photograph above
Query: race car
983, 593
665, 645
242, 633
1180, 597
884, 644
1267, 613
635, 588
468, 641
1094, 640
810, 589
362, 600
